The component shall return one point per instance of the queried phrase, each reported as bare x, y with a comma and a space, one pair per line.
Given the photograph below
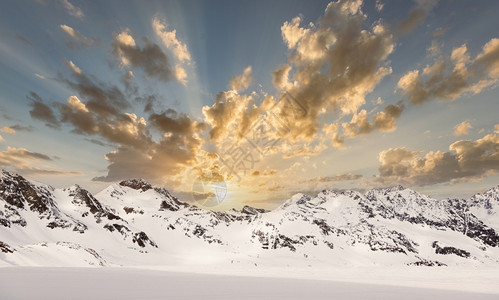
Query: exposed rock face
450, 250
137, 237
19, 195
253, 211
137, 184
81, 197
6, 248
170, 203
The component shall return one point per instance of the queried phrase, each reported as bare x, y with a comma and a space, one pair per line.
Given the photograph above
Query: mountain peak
395, 188
252, 210
5, 173
492, 190
136, 184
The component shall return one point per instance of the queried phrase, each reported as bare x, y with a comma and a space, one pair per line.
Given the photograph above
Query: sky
232, 103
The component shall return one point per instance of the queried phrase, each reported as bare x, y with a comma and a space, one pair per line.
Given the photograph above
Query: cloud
2, 139
44, 172
13, 128
19, 154
78, 115
102, 114
280, 77
241, 82
416, 17
170, 41
138, 154
384, 121
496, 129
450, 78
466, 160
462, 128
72, 10
335, 178
331, 130
8, 130
76, 39
155, 161
150, 58
488, 60
435, 48
98, 142
232, 113
300, 149
180, 74
379, 5
76, 104
18, 127
42, 111
73, 67
264, 173
178, 48
22, 161
228, 113
121, 129
101, 98
440, 31
324, 72
160, 146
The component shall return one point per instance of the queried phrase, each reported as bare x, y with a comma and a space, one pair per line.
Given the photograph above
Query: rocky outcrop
137, 184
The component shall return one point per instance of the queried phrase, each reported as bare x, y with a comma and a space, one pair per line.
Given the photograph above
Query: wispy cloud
76, 39
416, 16
72, 10
23, 160
41, 111
13, 128
179, 49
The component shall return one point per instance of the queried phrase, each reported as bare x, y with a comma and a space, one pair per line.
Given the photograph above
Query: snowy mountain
133, 223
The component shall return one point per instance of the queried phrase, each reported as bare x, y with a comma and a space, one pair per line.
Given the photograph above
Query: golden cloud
466, 160
323, 70
462, 128
450, 78
241, 82
150, 58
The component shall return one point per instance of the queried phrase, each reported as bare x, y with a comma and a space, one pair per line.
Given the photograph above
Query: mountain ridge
132, 222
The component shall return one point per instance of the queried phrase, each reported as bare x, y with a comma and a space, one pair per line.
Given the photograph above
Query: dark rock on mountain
253, 211
137, 184
82, 197
6, 248
449, 250
137, 237
19, 194
171, 202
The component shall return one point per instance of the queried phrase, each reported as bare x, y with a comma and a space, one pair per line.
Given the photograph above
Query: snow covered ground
137, 283
127, 283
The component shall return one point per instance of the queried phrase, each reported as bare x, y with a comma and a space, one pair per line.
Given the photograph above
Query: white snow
126, 283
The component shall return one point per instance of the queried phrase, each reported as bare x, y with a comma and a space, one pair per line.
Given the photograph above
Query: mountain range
132, 223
